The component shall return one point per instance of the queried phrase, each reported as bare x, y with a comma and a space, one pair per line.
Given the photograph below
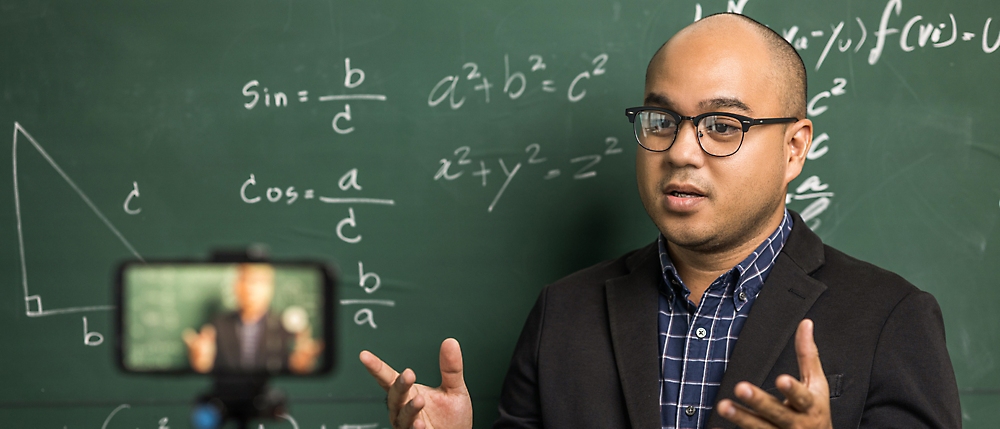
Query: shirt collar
748, 276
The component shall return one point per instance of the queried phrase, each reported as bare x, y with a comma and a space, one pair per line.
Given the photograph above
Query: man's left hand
305, 352
808, 401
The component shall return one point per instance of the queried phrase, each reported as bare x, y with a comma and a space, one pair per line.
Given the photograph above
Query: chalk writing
515, 82
812, 189
351, 222
813, 109
288, 417
583, 167
370, 283
364, 277
250, 193
353, 78
91, 338
133, 194
732, 6
291, 421
112, 415
33, 303
914, 32
818, 147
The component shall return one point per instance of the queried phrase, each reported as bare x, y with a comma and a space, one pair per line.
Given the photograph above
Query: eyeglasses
719, 134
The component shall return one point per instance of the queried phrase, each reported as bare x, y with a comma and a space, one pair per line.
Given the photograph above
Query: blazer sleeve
912, 382
520, 403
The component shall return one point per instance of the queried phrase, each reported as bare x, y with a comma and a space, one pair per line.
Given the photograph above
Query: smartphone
190, 317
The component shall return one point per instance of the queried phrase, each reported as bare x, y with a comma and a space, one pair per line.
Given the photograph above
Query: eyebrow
714, 104
725, 103
658, 100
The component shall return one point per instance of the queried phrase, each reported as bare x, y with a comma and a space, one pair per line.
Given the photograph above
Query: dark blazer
587, 356
272, 352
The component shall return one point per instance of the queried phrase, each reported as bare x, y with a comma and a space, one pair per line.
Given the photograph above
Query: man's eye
661, 124
721, 126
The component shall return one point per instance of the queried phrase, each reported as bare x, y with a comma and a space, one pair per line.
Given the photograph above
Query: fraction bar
357, 201
376, 97
385, 302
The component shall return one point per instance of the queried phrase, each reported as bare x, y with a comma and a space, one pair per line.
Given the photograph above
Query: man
251, 339
723, 320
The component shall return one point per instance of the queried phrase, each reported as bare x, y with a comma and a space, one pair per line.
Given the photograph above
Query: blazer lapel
632, 308
783, 302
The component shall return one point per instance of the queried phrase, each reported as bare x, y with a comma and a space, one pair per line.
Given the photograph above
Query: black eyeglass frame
745, 121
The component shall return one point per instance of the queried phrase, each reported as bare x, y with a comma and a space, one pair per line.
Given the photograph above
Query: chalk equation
813, 189
164, 422
911, 32
252, 193
353, 78
515, 82
369, 282
580, 167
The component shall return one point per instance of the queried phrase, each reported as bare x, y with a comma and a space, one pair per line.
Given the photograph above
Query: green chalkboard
451, 158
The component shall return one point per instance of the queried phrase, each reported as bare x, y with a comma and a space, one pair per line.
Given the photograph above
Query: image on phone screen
239, 318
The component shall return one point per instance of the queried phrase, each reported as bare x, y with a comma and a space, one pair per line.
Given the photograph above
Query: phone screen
233, 318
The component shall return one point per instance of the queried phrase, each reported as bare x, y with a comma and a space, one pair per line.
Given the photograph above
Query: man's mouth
683, 194
683, 197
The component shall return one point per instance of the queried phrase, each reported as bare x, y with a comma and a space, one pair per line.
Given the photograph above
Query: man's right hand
421, 407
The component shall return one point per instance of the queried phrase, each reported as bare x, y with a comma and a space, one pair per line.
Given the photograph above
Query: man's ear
798, 140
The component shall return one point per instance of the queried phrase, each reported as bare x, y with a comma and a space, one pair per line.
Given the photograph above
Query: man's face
254, 289
697, 201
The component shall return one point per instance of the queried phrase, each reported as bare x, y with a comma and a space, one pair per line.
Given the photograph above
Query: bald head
785, 67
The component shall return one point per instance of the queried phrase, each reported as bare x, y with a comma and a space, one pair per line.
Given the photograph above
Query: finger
208, 332
807, 353
382, 372
303, 334
304, 344
764, 404
400, 390
408, 414
797, 395
452, 370
743, 417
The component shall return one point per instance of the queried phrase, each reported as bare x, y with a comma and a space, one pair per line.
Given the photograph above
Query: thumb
189, 337
452, 371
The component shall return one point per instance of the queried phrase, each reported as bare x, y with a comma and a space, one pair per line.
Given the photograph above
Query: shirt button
689, 411
701, 333
743, 296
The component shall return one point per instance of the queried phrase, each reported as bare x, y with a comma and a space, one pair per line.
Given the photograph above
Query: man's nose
686, 150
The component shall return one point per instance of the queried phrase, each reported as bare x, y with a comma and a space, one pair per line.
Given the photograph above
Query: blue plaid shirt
696, 341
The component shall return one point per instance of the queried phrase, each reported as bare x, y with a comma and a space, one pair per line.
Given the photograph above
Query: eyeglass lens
718, 135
